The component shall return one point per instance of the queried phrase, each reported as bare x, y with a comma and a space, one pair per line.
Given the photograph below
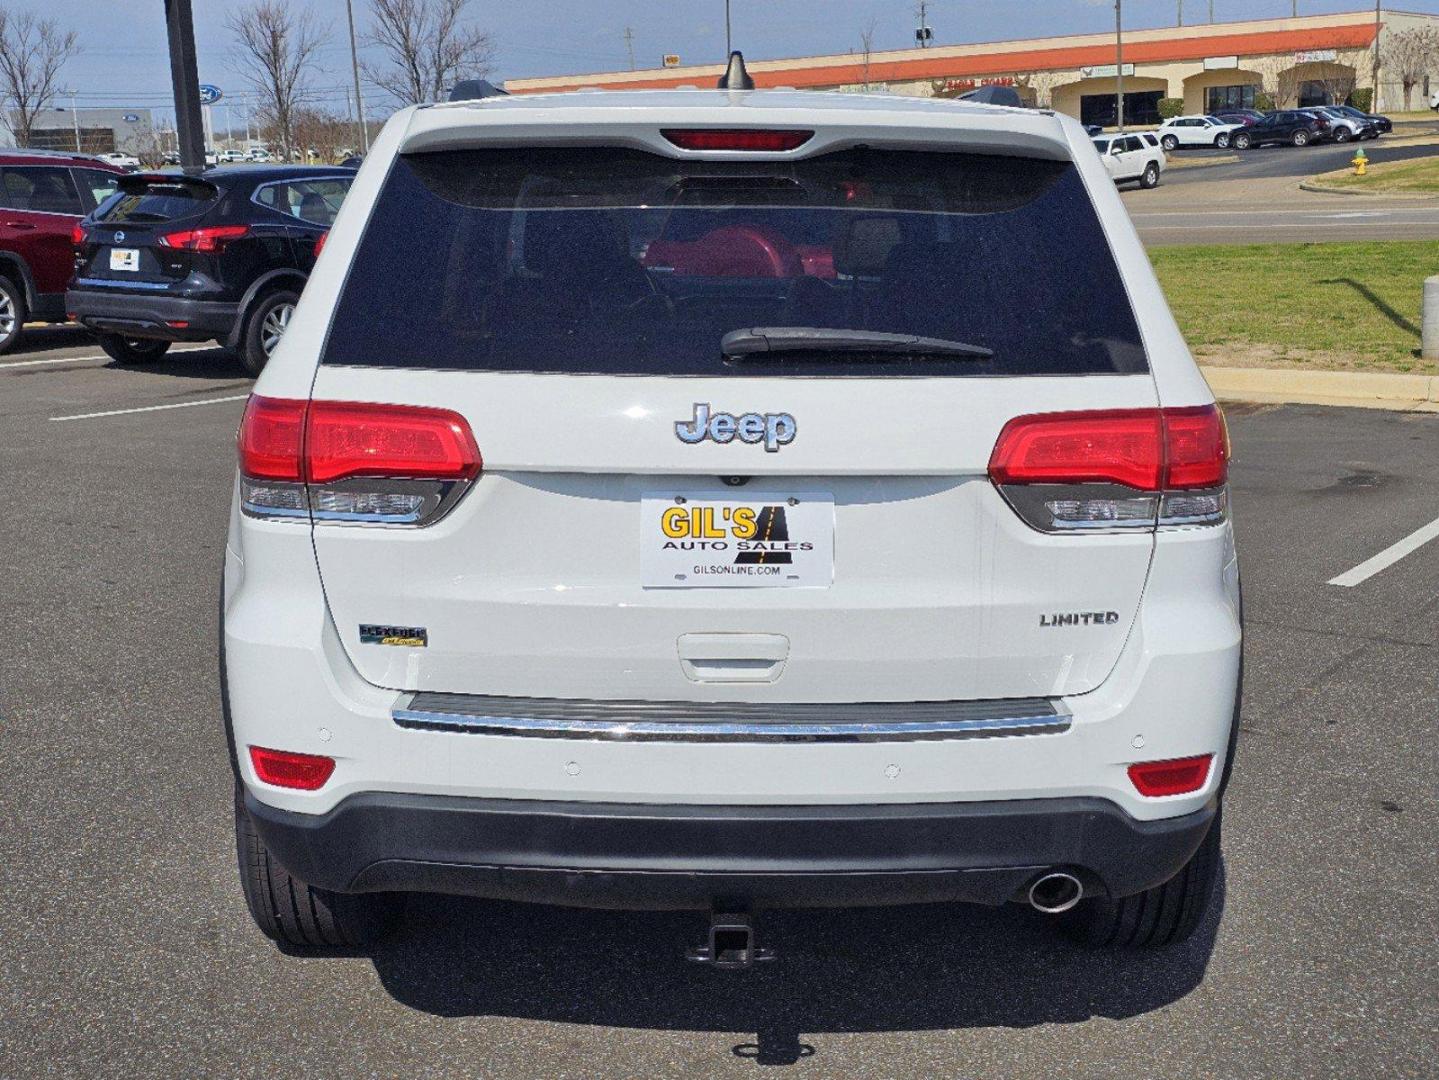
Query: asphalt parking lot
126, 949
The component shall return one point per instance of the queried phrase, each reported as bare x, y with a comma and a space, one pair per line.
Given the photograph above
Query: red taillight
210, 239
320, 242
737, 139
344, 439
285, 768
1196, 448
271, 438
1145, 449
77, 235
1178, 776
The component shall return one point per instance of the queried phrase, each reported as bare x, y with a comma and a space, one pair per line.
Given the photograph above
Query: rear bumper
614, 855
151, 316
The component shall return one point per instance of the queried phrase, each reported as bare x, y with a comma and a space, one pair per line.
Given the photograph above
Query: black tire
301, 916
1169, 142
1242, 141
1341, 134
1150, 179
128, 350
1222, 140
1300, 138
1165, 915
264, 326
13, 313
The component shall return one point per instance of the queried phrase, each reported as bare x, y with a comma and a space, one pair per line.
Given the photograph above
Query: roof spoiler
735, 76
140, 180
474, 89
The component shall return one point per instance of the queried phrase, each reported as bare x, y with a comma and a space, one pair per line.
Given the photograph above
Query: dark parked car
1382, 124
42, 198
1292, 126
1240, 116
222, 255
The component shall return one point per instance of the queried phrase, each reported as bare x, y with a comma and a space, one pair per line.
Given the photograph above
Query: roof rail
735, 76
473, 89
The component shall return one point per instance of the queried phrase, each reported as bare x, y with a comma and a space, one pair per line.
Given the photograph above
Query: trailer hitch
731, 944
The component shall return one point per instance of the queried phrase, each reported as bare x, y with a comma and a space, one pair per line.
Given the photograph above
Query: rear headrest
864, 245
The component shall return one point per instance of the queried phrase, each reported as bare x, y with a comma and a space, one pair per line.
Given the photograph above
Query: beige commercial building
1310, 60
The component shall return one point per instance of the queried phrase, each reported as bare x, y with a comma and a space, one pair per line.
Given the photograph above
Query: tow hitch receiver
731, 943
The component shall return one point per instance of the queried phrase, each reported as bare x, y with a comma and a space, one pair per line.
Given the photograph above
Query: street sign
209, 94
672, 60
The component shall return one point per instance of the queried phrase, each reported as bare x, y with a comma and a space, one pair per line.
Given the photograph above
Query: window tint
314, 201
96, 185
159, 200
609, 261
40, 188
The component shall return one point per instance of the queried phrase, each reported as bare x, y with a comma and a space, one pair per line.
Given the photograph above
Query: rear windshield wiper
758, 342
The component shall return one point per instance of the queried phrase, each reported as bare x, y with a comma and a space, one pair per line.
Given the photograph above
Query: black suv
222, 255
1282, 126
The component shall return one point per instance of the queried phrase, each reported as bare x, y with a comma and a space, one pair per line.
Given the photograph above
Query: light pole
728, 46
74, 116
1119, 62
1378, 29
355, 67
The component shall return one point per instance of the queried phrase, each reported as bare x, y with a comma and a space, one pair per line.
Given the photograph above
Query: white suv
1196, 131
723, 500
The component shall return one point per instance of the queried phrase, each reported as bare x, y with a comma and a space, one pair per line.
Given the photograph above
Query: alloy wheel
7, 316
272, 329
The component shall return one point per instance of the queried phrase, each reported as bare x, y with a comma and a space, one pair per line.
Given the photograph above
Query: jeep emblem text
773, 429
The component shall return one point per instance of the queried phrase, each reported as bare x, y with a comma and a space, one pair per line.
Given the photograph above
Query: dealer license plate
124, 259
772, 540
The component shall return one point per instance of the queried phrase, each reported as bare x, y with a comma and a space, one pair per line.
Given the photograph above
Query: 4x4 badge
772, 429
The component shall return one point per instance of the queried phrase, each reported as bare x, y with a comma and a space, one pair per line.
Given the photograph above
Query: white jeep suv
728, 499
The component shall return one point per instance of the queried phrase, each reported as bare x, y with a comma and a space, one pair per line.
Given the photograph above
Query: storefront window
1224, 98
1139, 109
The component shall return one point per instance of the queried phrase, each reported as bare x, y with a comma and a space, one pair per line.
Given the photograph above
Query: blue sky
124, 61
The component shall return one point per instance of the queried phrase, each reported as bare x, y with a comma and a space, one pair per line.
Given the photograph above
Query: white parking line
1388, 557
81, 359
152, 408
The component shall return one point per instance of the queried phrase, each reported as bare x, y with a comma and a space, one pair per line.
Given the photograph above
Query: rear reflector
210, 239
1178, 776
737, 139
344, 439
284, 768
320, 242
1146, 449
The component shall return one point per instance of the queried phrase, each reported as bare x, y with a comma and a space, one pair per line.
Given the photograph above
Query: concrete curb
1353, 389
1313, 184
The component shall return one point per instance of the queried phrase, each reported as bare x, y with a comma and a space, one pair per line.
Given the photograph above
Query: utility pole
728, 43
1378, 29
1179, 19
1119, 62
630, 45
1211, 10
355, 68
185, 79
75, 119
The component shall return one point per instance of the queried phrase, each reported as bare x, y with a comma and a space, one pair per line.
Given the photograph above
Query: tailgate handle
733, 657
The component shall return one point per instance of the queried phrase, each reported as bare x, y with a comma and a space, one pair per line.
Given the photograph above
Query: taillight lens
210, 239
737, 139
345, 439
287, 769
353, 461
320, 242
1115, 468
77, 235
1178, 776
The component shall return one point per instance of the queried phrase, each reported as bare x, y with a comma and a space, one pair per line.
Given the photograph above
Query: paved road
1272, 161
126, 949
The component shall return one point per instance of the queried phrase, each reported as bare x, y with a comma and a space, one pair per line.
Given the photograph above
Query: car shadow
930, 967
212, 363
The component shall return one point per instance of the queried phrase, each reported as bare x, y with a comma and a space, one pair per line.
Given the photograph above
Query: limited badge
414, 636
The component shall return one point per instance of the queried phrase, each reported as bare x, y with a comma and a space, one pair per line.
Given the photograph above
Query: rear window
620, 262
155, 201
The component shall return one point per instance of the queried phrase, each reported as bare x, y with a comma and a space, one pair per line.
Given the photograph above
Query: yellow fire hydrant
1361, 163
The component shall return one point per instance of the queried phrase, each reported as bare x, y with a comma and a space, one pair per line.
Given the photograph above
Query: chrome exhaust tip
1054, 893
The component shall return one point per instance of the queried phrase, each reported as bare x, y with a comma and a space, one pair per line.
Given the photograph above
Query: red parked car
43, 196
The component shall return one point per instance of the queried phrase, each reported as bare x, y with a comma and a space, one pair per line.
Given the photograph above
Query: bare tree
1410, 55
32, 52
277, 47
866, 48
427, 45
